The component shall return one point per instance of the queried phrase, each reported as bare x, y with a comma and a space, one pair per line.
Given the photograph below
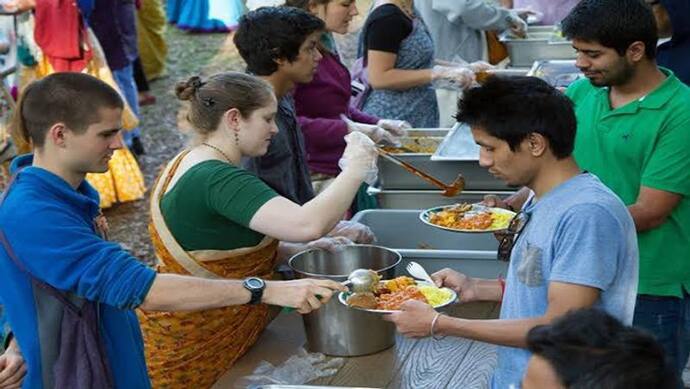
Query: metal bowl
334, 329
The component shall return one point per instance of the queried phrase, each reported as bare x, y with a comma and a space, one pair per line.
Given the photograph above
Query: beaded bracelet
433, 324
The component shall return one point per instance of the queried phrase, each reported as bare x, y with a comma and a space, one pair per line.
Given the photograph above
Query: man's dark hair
590, 349
70, 98
271, 33
511, 108
613, 23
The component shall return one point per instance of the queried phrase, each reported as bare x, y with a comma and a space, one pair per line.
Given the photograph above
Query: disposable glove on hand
373, 131
395, 127
454, 78
360, 157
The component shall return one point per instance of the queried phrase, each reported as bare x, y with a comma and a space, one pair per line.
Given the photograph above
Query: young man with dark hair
51, 245
589, 348
280, 45
634, 134
572, 246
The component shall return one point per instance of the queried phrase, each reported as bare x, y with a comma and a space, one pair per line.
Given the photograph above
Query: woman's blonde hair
210, 99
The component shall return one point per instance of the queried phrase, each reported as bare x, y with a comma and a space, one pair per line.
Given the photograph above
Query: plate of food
389, 295
465, 217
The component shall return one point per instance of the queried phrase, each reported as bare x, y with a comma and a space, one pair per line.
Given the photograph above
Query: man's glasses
517, 224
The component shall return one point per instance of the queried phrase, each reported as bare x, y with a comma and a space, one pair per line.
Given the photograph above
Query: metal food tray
540, 44
433, 248
558, 73
440, 165
458, 145
416, 199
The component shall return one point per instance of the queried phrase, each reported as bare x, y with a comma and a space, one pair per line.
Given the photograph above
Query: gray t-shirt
284, 167
579, 233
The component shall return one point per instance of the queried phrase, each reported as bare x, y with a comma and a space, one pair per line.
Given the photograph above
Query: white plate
425, 215
342, 297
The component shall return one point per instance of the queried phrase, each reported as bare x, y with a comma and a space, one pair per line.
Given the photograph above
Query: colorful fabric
205, 15
643, 143
51, 227
193, 349
220, 197
123, 181
153, 48
60, 33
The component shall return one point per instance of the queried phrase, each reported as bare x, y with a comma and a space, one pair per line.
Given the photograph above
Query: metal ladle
362, 280
451, 190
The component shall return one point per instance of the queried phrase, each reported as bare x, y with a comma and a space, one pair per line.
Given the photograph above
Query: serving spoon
451, 190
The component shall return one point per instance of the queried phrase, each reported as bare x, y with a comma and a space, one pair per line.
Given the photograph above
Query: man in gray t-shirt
572, 246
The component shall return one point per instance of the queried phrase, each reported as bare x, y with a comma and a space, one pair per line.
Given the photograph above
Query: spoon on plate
417, 271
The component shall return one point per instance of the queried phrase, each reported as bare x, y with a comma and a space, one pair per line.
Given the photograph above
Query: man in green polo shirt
634, 133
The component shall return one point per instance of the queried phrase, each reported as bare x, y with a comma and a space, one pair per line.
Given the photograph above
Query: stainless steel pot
334, 329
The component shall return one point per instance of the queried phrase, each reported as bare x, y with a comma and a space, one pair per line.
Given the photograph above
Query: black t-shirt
385, 29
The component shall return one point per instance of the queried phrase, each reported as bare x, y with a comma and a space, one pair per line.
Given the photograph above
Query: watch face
255, 283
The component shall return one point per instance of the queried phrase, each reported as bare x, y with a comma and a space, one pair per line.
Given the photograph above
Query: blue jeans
125, 81
668, 318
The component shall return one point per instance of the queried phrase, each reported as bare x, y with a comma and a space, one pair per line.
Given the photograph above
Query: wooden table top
411, 363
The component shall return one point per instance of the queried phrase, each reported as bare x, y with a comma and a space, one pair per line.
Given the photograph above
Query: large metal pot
335, 329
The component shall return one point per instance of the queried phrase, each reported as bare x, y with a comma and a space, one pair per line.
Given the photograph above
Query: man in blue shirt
673, 21
50, 218
572, 246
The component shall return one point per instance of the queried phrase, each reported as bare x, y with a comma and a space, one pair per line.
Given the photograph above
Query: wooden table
411, 363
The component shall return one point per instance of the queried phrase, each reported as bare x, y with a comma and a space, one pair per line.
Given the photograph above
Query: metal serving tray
442, 165
541, 43
433, 248
559, 73
416, 199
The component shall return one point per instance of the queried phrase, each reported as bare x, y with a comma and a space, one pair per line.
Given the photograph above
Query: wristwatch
256, 287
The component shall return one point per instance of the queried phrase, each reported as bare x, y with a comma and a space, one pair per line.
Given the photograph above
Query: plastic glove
454, 78
356, 232
480, 66
395, 127
360, 157
298, 369
330, 243
376, 133
518, 26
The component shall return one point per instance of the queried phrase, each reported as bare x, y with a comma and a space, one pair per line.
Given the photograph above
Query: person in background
397, 52
551, 12
213, 219
572, 246
457, 26
153, 48
143, 89
673, 21
60, 41
589, 348
633, 131
323, 107
52, 236
287, 54
114, 23
205, 15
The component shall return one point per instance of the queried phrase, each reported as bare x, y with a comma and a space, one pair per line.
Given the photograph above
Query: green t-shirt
644, 143
211, 205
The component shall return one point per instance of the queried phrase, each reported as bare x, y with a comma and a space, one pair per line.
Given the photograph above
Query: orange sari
193, 349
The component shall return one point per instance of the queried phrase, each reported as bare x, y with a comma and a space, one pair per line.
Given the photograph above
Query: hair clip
208, 102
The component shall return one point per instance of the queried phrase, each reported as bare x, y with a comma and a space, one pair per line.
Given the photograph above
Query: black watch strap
256, 287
